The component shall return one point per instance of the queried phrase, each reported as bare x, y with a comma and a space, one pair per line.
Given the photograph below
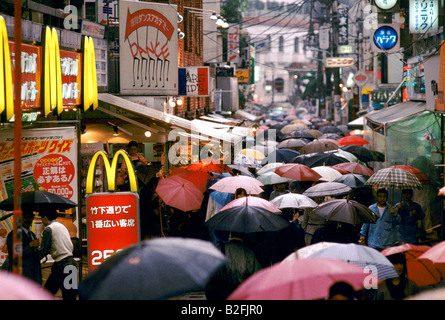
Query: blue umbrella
280, 155
222, 198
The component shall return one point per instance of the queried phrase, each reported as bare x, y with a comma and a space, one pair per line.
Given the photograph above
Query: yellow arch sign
110, 171
6, 94
89, 75
52, 74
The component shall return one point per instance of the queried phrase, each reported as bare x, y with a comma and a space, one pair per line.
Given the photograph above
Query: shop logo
52, 74
110, 171
89, 83
6, 94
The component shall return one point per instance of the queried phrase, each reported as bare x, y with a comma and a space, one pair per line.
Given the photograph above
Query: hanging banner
193, 81
113, 224
148, 48
71, 68
233, 44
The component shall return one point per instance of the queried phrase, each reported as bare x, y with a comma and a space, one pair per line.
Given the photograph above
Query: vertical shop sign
71, 68
113, 224
233, 44
6, 94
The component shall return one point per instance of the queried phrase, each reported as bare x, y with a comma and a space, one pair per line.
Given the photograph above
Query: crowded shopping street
207, 153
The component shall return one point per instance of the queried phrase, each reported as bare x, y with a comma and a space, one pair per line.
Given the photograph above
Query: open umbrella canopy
306, 251
198, 178
395, 178
361, 256
319, 145
352, 180
352, 140
291, 143
271, 177
308, 279
332, 136
280, 155
17, 287
299, 134
247, 219
179, 193
325, 189
354, 167
297, 172
327, 173
435, 254
419, 174
39, 201
361, 152
252, 201
319, 159
331, 129
292, 127
347, 211
247, 161
209, 166
269, 167
153, 269
293, 200
422, 272
230, 184
256, 154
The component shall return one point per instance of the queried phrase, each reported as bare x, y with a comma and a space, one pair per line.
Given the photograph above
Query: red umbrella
198, 178
422, 272
354, 167
308, 279
209, 165
298, 172
356, 140
179, 193
419, 174
251, 201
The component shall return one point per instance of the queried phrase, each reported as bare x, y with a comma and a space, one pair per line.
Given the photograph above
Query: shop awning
163, 119
245, 115
359, 122
395, 113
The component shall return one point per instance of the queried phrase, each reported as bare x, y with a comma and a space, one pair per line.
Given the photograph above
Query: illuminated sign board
385, 37
423, 16
338, 62
385, 4
6, 94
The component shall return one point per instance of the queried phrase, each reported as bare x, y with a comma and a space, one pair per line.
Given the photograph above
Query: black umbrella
38, 201
333, 136
362, 153
301, 134
153, 269
319, 159
280, 155
247, 219
343, 210
352, 180
331, 129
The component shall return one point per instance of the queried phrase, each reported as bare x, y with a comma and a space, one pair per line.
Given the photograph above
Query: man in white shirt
56, 241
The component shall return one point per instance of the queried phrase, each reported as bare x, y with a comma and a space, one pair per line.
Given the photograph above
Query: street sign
338, 62
386, 38
112, 224
242, 75
360, 78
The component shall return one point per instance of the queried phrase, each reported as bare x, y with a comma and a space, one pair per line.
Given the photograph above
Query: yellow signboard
110, 171
242, 75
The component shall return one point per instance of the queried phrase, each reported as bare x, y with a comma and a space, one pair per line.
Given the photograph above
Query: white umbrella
305, 252
362, 256
327, 173
271, 177
293, 200
269, 167
246, 161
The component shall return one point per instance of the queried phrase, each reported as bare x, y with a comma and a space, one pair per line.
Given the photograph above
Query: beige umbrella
292, 127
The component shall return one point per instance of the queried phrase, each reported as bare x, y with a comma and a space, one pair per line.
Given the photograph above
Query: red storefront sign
71, 67
113, 224
31, 74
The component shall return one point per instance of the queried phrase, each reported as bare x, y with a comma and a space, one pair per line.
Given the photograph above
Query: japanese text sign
113, 224
423, 16
233, 44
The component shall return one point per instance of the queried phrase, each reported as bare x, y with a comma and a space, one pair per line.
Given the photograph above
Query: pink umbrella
251, 201
179, 193
354, 167
15, 287
230, 184
435, 254
308, 279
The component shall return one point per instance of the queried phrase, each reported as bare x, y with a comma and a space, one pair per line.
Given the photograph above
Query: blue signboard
385, 37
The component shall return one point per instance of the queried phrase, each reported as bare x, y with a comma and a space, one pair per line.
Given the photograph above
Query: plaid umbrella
395, 178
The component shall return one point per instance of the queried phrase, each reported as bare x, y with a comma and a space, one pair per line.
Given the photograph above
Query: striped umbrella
362, 256
394, 178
